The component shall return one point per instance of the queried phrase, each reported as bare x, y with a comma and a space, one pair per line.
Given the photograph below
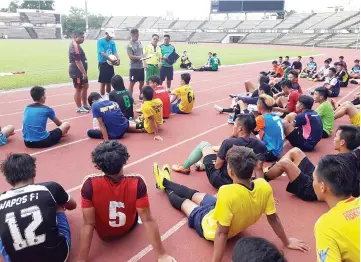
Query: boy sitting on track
324, 110
251, 89
112, 201
303, 130
236, 207
185, 96
214, 62
332, 83
121, 96
277, 70
33, 224
349, 109
35, 119
288, 98
270, 129
337, 232
299, 169
321, 75
214, 164
112, 123
355, 72
5, 133
310, 69
152, 109
287, 61
342, 75
159, 92
297, 65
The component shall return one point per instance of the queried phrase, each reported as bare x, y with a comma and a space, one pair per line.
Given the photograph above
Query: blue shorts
63, 227
175, 108
195, 218
3, 139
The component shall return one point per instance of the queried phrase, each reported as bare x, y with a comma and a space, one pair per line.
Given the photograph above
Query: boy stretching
299, 169
121, 96
349, 109
324, 110
305, 129
237, 207
214, 164
5, 133
35, 119
337, 232
184, 96
112, 201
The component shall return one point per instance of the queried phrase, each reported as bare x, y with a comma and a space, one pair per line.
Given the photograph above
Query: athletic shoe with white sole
82, 110
87, 107
218, 108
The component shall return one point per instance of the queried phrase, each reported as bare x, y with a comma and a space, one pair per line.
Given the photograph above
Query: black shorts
302, 185
106, 72
270, 157
356, 101
324, 134
296, 139
79, 82
166, 73
53, 138
215, 176
136, 75
343, 84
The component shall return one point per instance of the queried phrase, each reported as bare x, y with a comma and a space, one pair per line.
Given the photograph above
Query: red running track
69, 162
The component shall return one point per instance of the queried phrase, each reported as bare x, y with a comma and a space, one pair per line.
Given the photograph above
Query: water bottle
95, 123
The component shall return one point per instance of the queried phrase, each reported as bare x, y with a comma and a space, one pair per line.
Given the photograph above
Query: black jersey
28, 224
124, 100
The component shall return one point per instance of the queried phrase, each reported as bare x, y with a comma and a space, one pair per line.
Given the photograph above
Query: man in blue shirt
166, 71
34, 123
355, 72
112, 123
106, 47
305, 129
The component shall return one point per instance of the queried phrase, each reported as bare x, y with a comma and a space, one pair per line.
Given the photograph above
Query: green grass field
46, 61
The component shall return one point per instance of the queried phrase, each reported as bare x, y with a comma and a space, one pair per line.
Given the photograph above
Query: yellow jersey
186, 95
337, 233
238, 208
153, 108
157, 54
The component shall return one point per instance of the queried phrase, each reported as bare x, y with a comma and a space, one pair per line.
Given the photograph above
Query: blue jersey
271, 132
107, 47
356, 69
34, 123
113, 119
311, 125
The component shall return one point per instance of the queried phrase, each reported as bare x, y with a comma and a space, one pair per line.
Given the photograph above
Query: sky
182, 9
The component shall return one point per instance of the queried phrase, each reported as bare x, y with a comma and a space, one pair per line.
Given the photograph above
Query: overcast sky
184, 9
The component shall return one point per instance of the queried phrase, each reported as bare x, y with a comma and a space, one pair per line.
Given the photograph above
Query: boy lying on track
237, 206
299, 169
112, 201
35, 119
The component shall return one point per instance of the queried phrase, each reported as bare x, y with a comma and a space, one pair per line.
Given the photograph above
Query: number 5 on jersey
116, 218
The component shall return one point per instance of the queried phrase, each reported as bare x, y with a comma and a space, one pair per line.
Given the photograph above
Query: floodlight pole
86, 17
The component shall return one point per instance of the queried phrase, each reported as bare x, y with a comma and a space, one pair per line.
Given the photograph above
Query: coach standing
106, 47
166, 72
78, 67
135, 53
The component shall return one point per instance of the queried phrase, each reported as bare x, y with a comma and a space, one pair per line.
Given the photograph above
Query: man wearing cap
106, 47
135, 54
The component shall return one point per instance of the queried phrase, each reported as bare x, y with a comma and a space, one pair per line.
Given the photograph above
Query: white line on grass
62, 85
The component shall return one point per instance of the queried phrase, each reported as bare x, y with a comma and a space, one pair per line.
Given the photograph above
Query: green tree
13, 6
38, 4
95, 21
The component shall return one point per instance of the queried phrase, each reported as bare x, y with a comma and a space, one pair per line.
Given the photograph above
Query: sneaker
354, 82
230, 121
218, 108
233, 96
216, 148
82, 110
166, 172
181, 169
87, 107
158, 177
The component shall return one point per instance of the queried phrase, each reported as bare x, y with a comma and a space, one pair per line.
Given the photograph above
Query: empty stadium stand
330, 29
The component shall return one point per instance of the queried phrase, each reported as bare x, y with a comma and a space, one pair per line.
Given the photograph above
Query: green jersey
325, 111
166, 51
214, 63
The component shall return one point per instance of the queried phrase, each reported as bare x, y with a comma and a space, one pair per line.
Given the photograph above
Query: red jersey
163, 95
292, 100
115, 204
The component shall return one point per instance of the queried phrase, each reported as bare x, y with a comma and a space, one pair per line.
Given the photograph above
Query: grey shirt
135, 48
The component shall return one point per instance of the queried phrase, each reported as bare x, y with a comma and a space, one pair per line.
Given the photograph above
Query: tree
39, 4
95, 21
13, 6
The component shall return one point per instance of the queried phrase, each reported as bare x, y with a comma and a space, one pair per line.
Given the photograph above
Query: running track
69, 162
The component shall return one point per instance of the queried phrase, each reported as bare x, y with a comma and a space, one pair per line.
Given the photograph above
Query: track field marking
62, 85
21, 112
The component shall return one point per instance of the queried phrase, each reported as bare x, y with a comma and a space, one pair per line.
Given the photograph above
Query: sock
196, 155
180, 190
175, 200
